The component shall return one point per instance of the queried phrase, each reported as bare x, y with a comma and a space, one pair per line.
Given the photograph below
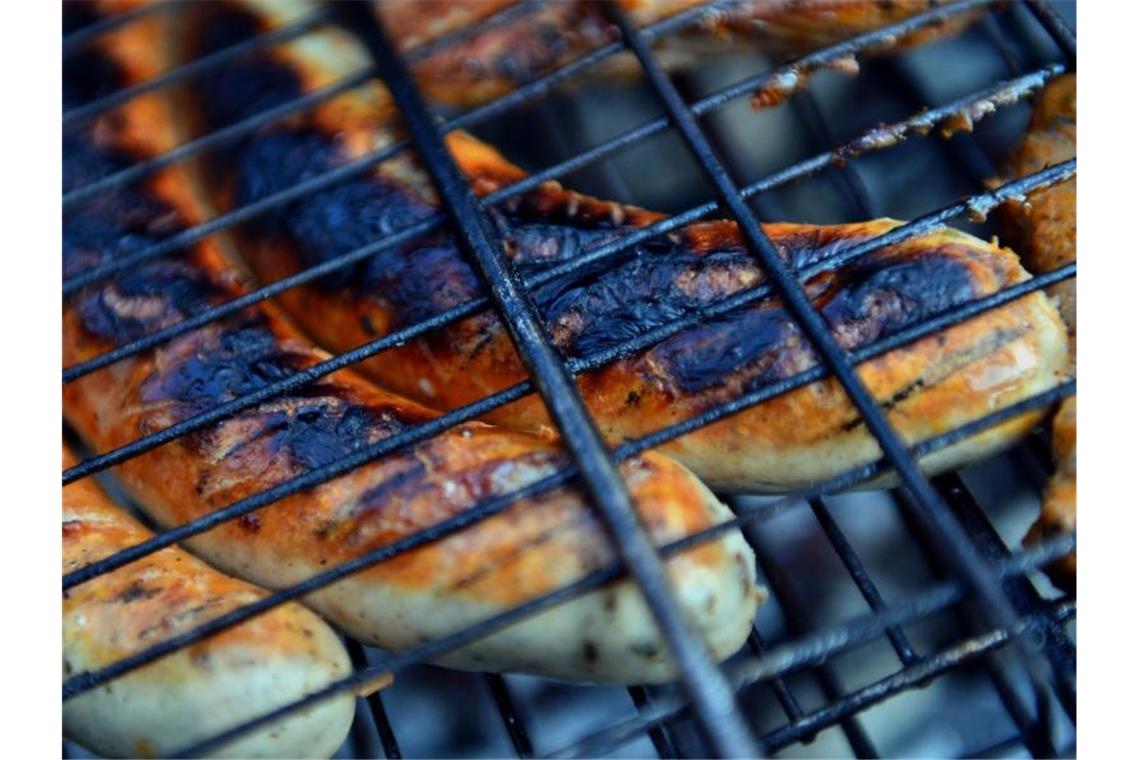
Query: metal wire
802, 725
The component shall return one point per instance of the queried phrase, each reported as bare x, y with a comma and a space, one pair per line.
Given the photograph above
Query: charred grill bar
1019, 607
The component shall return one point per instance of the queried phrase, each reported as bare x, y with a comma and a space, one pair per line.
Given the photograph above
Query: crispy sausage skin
534, 547
1059, 510
801, 437
1045, 230
509, 54
244, 672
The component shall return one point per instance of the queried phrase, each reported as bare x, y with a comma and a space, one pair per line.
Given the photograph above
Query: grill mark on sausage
862, 303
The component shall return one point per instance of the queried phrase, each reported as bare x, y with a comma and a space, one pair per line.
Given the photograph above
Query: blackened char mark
239, 357
440, 484
417, 280
111, 225
316, 432
141, 301
247, 85
315, 425
879, 295
862, 303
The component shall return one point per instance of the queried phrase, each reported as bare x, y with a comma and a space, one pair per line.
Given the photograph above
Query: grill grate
943, 518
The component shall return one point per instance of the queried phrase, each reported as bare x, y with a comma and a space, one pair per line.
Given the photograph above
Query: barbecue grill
900, 622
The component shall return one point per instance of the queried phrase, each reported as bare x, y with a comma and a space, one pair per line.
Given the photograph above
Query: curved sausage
799, 438
196, 692
536, 546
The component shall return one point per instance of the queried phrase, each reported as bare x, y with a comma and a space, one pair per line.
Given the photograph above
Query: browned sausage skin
536, 546
1059, 508
799, 438
1045, 230
237, 675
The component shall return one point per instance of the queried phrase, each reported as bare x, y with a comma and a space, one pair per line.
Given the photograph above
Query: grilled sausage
241, 673
534, 547
801, 437
1045, 230
1059, 510
491, 62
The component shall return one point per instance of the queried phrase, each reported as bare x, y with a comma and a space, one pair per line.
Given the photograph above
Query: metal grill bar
80, 38
1039, 742
796, 614
969, 562
1065, 38
516, 730
858, 197
554, 383
220, 138
861, 577
232, 133
657, 734
1057, 646
788, 702
909, 677
1038, 745
1045, 178
535, 89
375, 705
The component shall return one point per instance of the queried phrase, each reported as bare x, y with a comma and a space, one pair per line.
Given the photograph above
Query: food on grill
239, 674
1059, 510
928, 387
535, 546
1045, 230
515, 51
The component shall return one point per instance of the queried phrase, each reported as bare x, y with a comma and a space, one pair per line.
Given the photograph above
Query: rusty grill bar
981, 569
